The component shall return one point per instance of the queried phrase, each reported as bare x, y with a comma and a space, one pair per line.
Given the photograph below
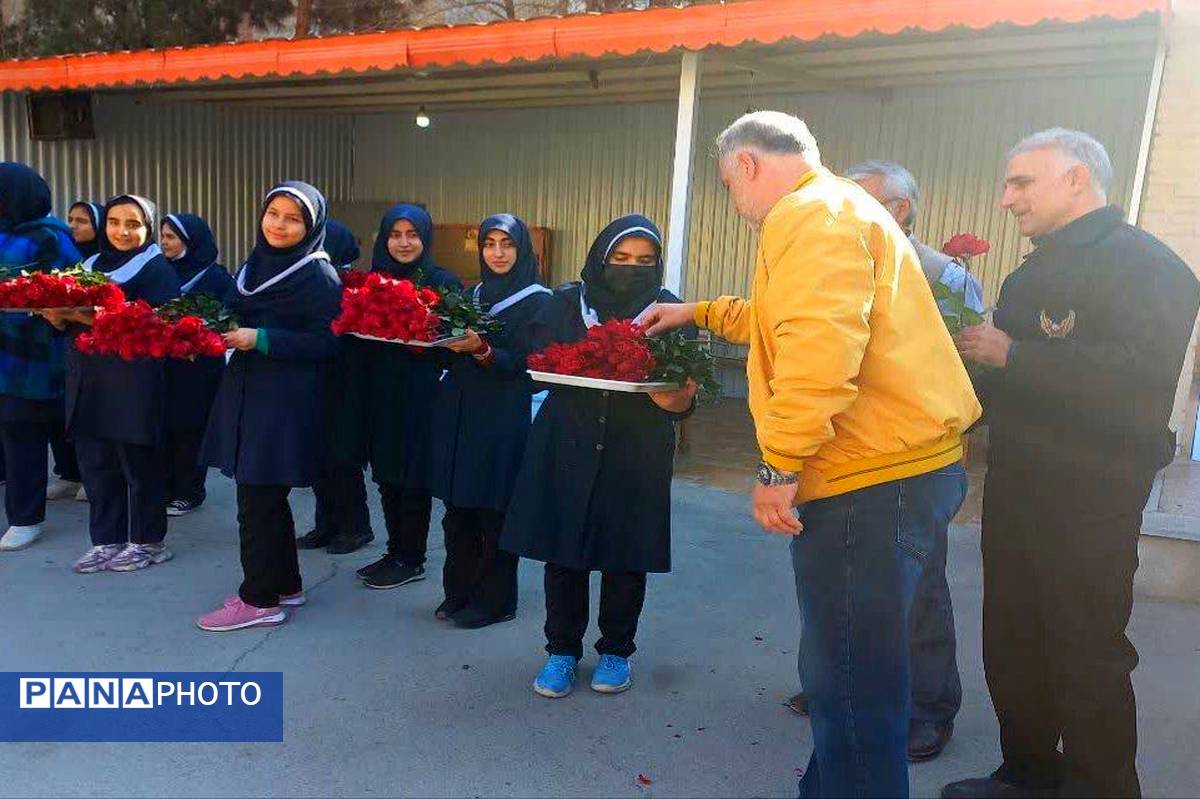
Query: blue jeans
858, 563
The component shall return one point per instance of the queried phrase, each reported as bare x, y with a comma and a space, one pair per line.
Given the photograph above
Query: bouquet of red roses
72, 288
133, 330
387, 307
616, 350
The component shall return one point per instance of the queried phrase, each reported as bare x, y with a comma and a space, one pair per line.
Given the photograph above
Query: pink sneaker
234, 614
289, 600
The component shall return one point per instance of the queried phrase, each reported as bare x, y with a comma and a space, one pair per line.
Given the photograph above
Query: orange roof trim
656, 30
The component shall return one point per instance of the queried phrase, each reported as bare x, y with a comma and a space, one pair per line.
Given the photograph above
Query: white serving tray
600, 384
441, 342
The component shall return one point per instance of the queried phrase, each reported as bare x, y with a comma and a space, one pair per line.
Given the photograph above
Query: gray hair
1075, 146
898, 182
771, 132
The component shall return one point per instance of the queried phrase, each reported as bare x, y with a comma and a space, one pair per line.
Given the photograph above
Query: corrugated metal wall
954, 139
573, 169
190, 157
568, 169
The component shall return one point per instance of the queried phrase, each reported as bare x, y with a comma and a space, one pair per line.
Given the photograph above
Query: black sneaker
394, 575
366, 571
343, 543
181, 507
448, 608
314, 539
471, 618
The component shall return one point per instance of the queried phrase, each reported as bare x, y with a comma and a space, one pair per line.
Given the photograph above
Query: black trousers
621, 597
185, 477
477, 572
341, 496
1059, 554
66, 463
25, 464
127, 490
406, 513
270, 564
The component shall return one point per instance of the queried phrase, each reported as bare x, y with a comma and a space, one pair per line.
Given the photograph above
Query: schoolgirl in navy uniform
188, 243
481, 421
267, 426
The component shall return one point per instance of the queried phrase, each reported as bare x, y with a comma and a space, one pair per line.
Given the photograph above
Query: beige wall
1171, 204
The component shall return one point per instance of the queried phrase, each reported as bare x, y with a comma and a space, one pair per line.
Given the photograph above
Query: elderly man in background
896, 190
936, 687
859, 403
1089, 338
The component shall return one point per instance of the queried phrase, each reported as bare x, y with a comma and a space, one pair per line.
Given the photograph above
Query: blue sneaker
612, 675
557, 677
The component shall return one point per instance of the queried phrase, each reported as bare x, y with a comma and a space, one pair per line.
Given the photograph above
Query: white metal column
679, 217
1143, 162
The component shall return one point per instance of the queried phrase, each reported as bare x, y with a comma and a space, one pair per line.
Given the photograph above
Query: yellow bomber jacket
854, 380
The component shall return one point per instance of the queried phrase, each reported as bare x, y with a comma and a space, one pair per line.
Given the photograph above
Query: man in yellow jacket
859, 401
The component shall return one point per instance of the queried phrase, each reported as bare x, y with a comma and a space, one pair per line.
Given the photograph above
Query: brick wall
1171, 203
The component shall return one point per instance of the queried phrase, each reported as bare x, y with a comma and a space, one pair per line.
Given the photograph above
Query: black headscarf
306, 290
110, 258
636, 286
201, 246
419, 218
89, 248
523, 273
340, 244
24, 196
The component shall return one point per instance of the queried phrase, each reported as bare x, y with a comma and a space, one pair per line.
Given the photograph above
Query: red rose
965, 245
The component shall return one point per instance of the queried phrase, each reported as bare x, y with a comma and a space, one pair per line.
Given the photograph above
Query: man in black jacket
1089, 338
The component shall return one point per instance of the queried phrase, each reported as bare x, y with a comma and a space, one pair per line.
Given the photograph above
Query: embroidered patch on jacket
1061, 329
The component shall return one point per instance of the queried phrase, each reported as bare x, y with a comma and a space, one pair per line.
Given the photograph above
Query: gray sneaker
139, 556
96, 559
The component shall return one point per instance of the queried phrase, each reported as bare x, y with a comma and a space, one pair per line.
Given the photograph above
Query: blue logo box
141, 706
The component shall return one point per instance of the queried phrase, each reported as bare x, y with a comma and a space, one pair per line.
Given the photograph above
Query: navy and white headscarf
522, 279
123, 266
419, 218
622, 292
280, 279
95, 213
200, 246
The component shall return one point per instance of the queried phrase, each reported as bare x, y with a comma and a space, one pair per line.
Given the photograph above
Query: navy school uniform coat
481, 414
110, 398
594, 490
384, 419
267, 425
192, 385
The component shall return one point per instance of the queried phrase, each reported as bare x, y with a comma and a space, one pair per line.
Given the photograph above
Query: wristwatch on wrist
768, 475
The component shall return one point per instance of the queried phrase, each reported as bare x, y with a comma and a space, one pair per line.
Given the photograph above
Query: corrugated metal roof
656, 30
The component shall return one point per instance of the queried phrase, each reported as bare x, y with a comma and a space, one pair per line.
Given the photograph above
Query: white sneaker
59, 488
81, 494
20, 537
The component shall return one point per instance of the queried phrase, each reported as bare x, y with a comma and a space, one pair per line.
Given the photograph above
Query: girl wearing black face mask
594, 490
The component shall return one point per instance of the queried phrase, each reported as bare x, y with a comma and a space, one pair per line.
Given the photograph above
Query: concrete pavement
383, 700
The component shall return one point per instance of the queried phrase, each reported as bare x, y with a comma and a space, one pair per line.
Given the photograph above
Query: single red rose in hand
965, 245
